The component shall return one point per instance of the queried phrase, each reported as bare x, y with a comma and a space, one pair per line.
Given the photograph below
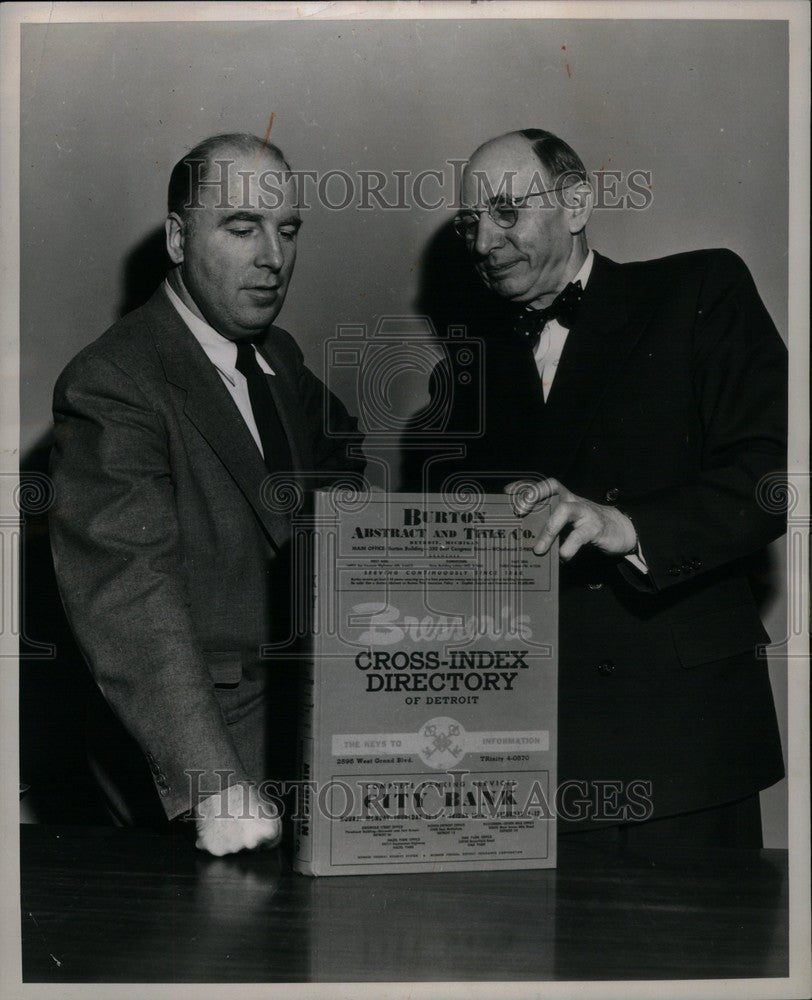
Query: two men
650, 398
172, 558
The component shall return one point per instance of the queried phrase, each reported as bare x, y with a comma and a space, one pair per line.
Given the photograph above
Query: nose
488, 235
269, 252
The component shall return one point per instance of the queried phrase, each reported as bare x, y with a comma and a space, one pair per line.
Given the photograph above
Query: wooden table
109, 905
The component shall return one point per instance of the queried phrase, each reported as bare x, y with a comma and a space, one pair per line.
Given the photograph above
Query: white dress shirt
223, 355
554, 336
548, 354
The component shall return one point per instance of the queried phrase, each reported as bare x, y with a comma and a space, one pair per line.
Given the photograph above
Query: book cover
428, 729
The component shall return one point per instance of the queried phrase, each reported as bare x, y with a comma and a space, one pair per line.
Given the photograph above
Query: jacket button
696, 564
674, 570
606, 668
596, 586
164, 791
612, 494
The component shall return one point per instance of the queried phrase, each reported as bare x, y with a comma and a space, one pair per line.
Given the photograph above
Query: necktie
271, 433
563, 308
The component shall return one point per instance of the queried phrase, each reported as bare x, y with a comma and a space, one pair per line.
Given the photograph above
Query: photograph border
12, 17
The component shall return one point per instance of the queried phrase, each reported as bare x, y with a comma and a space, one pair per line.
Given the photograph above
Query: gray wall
107, 110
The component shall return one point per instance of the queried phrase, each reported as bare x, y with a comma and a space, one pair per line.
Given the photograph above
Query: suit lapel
596, 348
211, 409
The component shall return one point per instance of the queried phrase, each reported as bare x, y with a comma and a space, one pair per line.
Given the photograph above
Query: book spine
303, 833
306, 817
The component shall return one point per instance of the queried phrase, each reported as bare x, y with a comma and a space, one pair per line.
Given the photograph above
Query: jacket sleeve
115, 541
739, 381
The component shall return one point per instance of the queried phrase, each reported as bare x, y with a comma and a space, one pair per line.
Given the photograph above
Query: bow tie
563, 309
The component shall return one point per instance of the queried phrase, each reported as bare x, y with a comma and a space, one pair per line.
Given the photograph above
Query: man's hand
234, 820
610, 531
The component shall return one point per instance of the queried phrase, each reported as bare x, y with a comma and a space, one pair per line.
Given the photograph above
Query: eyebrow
240, 217
243, 216
499, 200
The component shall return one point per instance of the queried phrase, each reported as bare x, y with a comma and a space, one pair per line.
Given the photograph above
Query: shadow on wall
57, 692
452, 295
144, 269
55, 685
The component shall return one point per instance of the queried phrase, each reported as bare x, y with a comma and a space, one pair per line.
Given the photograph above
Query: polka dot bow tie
563, 309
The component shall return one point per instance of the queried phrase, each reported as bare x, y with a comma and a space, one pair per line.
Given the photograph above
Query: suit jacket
670, 402
172, 560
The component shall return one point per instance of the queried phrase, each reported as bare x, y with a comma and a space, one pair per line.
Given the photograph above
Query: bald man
172, 561
650, 398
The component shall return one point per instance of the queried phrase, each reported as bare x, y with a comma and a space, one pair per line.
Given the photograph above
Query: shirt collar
220, 351
586, 269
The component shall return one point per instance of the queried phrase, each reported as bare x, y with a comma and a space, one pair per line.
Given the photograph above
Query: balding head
557, 158
199, 166
526, 255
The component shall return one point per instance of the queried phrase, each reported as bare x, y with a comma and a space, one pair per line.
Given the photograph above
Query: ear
175, 237
580, 199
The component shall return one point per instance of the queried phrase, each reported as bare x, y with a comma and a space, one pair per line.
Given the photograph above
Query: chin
261, 318
507, 290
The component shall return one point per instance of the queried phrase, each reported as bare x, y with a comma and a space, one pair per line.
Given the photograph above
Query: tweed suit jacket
170, 550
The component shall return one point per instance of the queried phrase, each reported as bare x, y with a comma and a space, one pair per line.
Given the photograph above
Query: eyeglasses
504, 214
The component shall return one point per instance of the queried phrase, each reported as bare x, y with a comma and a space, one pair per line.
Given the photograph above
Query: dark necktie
271, 433
563, 308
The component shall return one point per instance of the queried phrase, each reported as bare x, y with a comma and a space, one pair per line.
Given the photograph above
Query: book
428, 726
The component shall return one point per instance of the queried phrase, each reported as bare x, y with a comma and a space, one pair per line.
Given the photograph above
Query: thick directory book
428, 729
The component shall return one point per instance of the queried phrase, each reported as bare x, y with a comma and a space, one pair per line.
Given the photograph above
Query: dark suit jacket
670, 402
171, 560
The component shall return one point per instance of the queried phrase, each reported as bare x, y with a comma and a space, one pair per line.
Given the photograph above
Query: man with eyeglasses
649, 398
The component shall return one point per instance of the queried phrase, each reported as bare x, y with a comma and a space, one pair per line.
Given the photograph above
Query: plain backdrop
108, 109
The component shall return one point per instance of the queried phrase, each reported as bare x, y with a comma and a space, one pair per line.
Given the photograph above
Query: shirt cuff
637, 560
